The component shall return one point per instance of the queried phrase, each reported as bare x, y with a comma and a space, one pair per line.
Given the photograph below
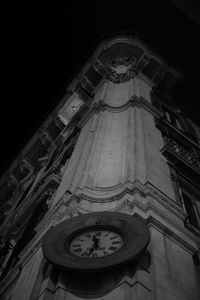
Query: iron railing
190, 155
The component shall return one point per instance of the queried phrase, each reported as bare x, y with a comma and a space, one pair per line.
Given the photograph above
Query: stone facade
104, 149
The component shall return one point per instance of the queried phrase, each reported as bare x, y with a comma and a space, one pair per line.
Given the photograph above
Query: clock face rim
133, 230
94, 228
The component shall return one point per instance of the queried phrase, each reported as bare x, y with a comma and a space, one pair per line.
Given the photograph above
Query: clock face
96, 243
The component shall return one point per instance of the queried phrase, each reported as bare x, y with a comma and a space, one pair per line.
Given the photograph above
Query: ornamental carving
121, 69
190, 155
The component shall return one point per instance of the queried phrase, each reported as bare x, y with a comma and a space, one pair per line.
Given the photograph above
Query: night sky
45, 45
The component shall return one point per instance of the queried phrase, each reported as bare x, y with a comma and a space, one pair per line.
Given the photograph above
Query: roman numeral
79, 239
88, 235
85, 254
98, 233
76, 245
112, 248
114, 237
116, 242
78, 250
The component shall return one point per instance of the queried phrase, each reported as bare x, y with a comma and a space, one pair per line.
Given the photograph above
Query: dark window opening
191, 210
174, 117
174, 120
196, 261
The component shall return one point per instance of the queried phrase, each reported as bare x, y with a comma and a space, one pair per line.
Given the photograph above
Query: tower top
116, 58
129, 50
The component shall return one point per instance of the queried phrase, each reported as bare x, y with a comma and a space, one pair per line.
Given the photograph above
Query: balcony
187, 158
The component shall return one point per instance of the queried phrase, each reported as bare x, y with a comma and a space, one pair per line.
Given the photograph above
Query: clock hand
92, 249
95, 245
96, 242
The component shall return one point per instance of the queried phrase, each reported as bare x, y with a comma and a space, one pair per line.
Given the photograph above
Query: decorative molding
134, 188
134, 101
123, 47
164, 200
121, 69
128, 206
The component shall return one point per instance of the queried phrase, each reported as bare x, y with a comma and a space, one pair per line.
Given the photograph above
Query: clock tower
105, 202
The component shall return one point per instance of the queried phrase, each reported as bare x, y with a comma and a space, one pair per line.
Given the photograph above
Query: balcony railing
190, 155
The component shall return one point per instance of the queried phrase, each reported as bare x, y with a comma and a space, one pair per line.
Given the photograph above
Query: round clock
95, 241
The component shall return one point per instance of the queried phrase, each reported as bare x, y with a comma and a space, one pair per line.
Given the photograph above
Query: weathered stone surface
157, 169
169, 265
116, 147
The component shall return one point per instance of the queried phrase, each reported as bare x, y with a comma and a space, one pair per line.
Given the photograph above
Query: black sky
43, 47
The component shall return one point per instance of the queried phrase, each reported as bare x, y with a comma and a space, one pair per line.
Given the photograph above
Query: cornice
113, 194
132, 39
134, 101
133, 188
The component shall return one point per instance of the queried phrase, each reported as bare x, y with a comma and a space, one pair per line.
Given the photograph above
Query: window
174, 116
191, 209
196, 261
174, 120
180, 123
188, 197
191, 205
